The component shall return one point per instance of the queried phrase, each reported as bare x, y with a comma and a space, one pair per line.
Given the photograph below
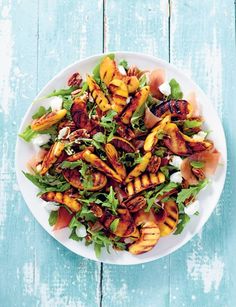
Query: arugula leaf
71, 165
192, 123
97, 249
137, 119
62, 92
197, 164
109, 124
28, 134
114, 224
124, 63
143, 81
86, 214
84, 87
100, 240
111, 202
130, 159
166, 170
48, 183
40, 112
67, 104
183, 220
74, 223
74, 236
99, 137
191, 192
176, 92
108, 118
53, 218
160, 151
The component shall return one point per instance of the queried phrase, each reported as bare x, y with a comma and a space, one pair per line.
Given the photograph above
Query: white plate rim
223, 153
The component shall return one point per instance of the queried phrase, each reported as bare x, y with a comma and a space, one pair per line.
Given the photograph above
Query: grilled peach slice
107, 70
136, 203
96, 162
63, 198
176, 108
174, 140
139, 168
152, 138
122, 144
143, 182
141, 217
98, 180
47, 120
149, 236
98, 95
113, 158
197, 145
168, 225
119, 92
132, 83
139, 99
52, 156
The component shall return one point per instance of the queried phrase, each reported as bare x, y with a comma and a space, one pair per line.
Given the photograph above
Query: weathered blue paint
37, 39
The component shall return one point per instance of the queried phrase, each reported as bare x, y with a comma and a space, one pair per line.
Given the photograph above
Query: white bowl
208, 198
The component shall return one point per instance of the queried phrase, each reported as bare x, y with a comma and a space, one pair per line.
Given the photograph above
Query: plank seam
169, 29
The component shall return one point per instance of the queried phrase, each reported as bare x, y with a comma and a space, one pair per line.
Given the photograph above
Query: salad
120, 157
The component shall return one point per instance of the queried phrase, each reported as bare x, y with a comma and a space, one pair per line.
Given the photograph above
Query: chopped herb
176, 92
53, 218
197, 164
71, 165
192, 123
114, 224
183, 220
62, 92
28, 134
143, 81
124, 63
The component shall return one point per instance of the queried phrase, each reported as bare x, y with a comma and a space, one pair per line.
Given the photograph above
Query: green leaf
143, 81
53, 218
40, 112
197, 164
192, 123
62, 92
183, 220
137, 119
48, 183
111, 202
160, 152
84, 87
99, 137
52, 131
130, 159
71, 165
108, 118
86, 214
114, 224
97, 249
107, 122
67, 104
191, 192
74, 223
28, 134
124, 63
176, 92
74, 236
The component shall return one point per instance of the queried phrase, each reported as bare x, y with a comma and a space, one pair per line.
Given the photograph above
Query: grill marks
177, 108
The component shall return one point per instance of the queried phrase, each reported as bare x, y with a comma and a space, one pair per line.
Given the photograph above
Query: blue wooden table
40, 37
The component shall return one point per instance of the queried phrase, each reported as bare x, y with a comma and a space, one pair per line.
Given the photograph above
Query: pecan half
133, 71
97, 211
74, 80
79, 133
199, 173
135, 204
154, 164
125, 132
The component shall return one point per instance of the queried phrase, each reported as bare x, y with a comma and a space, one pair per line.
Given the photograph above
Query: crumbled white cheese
176, 177
63, 133
128, 99
121, 70
165, 89
51, 206
175, 161
41, 139
38, 168
200, 136
56, 103
81, 231
192, 208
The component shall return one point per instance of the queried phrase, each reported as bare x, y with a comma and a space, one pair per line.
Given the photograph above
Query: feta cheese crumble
56, 103
51, 206
200, 136
81, 231
176, 177
165, 89
175, 161
192, 208
40, 140
121, 70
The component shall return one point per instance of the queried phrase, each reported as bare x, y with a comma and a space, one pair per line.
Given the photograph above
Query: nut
75, 79
154, 164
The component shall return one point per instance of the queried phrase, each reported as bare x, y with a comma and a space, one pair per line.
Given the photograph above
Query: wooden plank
137, 26
33, 48
17, 87
66, 34
203, 43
